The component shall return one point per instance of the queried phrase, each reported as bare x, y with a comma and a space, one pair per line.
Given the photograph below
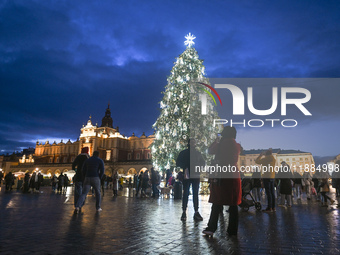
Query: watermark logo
203, 97
281, 99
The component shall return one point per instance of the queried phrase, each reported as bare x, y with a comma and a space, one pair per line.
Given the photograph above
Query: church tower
107, 120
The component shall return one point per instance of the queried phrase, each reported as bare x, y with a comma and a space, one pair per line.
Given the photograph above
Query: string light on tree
180, 106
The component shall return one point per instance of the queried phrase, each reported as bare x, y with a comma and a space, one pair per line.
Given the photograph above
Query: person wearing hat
77, 166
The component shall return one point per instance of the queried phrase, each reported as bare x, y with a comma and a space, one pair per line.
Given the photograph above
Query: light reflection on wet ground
44, 223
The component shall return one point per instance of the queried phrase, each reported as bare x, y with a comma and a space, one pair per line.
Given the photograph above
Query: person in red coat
226, 190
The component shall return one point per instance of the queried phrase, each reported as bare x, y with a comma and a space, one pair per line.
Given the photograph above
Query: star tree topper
190, 40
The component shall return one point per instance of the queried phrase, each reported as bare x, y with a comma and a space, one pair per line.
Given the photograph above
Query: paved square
45, 224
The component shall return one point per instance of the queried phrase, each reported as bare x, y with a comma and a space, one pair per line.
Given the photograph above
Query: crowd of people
30, 183
288, 185
60, 183
277, 189
147, 180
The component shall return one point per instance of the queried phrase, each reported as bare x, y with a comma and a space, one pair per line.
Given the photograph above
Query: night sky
62, 61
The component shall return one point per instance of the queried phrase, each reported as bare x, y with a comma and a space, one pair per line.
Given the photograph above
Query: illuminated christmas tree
181, 116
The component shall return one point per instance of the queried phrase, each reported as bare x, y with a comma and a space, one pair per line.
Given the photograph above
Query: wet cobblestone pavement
45, 224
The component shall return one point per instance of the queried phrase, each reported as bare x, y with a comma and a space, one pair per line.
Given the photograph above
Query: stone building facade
296, 159
127, 155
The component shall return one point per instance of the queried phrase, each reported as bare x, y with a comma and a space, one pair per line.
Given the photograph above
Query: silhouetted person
38, 181
115, 185
167, 176
35, 181
93, 170
54, 181
139, 183
61, 180
135, 178
66, 182
154, 183
183, 161
267, 162
225, 191
297, 184
77, 166
9, 181
336, 181
324, 189
145, 183
285, 176
26, 183
1, 176
102, 182
256, 177
306, 181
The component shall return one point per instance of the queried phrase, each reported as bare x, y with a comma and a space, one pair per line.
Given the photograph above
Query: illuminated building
127, 155
296, 159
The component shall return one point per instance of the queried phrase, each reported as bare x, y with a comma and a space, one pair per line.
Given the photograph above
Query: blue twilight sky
61, 61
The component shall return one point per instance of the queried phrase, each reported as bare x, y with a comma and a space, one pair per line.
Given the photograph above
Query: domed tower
107, 120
